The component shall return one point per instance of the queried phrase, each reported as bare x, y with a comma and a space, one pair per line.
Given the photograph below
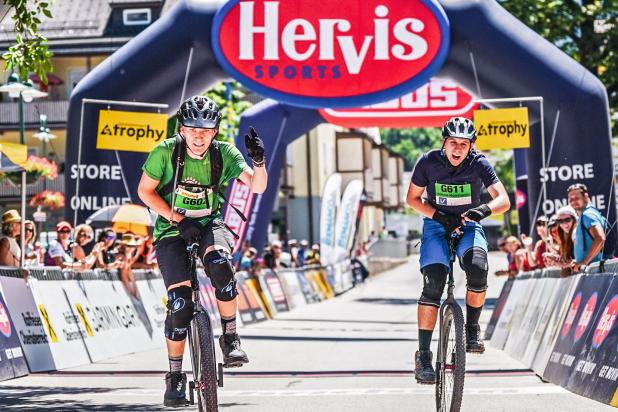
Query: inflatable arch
491, 53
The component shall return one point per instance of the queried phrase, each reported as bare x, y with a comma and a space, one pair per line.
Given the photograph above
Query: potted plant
47, 198
36, 167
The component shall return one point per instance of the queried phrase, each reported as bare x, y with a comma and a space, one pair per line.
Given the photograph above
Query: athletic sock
473, 315
175, 363
424, 339
228, 325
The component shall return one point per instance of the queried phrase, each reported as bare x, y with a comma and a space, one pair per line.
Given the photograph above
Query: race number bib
453, 195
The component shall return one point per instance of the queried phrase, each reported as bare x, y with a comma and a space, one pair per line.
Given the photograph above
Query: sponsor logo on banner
331, 197
51, 332
130, 131
586, 317
346, 219
570, 318
242, 198
502, 128
605, 323
520, 198
82, 315
338, 54
5, 323
428, 106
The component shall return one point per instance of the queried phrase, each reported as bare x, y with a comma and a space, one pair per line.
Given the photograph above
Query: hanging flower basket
47, 198
36, 167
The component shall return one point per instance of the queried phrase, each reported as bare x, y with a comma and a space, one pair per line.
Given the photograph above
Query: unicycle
451, 359
207, 374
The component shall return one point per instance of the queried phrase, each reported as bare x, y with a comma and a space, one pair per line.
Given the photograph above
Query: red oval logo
5, 323
431, 105
570, 318
332, 54
606, 322
586, 317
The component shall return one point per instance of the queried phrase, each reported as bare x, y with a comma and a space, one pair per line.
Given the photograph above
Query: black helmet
200, 112
459, 127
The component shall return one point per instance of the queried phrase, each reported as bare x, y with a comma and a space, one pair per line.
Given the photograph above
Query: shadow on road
384, 322
30, 398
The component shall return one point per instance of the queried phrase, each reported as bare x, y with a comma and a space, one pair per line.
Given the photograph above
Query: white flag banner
330, 203
346, 219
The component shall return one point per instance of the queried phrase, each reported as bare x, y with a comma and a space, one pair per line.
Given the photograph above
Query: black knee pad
179, 312
221, 273
474, 263
434, 279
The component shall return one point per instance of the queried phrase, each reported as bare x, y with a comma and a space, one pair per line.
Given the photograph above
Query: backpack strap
178, 160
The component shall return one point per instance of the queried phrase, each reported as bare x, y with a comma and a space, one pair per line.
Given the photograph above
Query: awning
13, 157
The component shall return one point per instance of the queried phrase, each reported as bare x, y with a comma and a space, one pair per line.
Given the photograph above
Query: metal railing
9, 190
56, 111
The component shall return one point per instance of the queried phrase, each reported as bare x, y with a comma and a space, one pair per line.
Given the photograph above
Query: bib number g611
453, 195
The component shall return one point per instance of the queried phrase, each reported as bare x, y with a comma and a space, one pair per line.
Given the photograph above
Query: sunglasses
540, 224
565, 220
64, 231
28, 229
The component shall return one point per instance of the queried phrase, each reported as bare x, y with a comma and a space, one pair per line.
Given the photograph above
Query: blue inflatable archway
491, 53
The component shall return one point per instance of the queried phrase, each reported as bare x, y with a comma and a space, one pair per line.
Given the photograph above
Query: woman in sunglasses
34, 253
59, 250
83, 236
105, 247
566, 219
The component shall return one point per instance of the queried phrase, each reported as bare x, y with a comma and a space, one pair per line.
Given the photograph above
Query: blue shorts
434, 247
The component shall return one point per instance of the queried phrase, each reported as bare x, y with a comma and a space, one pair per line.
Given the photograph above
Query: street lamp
43, 134
24, 92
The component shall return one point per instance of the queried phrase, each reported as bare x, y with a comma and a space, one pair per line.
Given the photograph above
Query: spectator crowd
575, 236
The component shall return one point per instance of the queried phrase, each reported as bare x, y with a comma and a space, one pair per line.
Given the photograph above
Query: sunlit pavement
352, 353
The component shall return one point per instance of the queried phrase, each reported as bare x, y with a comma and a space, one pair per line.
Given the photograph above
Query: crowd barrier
52, 319
563, 328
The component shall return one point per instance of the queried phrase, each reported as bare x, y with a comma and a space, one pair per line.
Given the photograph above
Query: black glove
448, 220
254, 145
190, 230
478, 213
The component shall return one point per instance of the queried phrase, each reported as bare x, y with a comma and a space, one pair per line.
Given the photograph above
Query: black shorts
173, 257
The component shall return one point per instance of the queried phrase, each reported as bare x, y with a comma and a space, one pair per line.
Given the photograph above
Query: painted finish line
429, 390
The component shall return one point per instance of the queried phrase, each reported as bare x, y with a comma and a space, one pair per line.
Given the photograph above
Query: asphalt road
352, 353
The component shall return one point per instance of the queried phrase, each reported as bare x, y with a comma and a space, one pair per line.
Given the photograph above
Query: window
136, 17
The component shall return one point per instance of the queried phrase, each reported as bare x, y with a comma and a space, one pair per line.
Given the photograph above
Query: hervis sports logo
606, 322
585, 317
5, 323
570, 317
344, 53
130, 131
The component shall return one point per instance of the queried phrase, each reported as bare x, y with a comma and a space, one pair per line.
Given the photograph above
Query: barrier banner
559, 305
595, 374
503, 328
311, 294
275, 289
530, 311
28, 323
251, 297
568, 354
495, 315
12, 361
292, 288
65, 332
245, 314
153, 295
547, 301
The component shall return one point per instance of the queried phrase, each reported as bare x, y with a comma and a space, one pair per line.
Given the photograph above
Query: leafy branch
30, 52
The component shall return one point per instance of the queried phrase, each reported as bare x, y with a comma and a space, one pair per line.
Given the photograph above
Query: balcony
10, 192
56, 111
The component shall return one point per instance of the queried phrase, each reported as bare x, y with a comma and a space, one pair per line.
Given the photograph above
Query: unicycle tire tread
453, 317
207, 397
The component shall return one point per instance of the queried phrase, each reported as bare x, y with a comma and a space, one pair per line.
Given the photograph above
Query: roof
75, 19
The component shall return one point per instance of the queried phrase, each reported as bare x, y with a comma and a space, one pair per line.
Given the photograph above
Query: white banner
346, 219
292, 288
29, 324
503, 327
331, 197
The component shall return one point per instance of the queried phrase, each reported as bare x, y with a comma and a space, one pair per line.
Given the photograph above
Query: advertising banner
292, 287
559, 305
331, 199
495, 315
251, 296
275, 289
130, 131
28, 323
547, 302
431, 105
346, 219
296, 53
503, 328
568, 354
244, 309
595, 372
65, 331
502, 128
241, 197
12, 361
153, 296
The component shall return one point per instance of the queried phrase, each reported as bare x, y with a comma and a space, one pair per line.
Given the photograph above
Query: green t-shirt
159, 166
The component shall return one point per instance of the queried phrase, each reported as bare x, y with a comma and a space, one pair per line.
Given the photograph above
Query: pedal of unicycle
191, 393
220, 375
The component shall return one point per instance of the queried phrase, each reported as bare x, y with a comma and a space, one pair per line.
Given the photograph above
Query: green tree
30, 52
411, 143
583, 29
231, 108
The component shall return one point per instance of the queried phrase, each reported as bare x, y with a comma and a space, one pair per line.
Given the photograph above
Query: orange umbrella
133, 218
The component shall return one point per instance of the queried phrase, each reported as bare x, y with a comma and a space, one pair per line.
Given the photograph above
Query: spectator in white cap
59, 251
313, 257
293, 246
